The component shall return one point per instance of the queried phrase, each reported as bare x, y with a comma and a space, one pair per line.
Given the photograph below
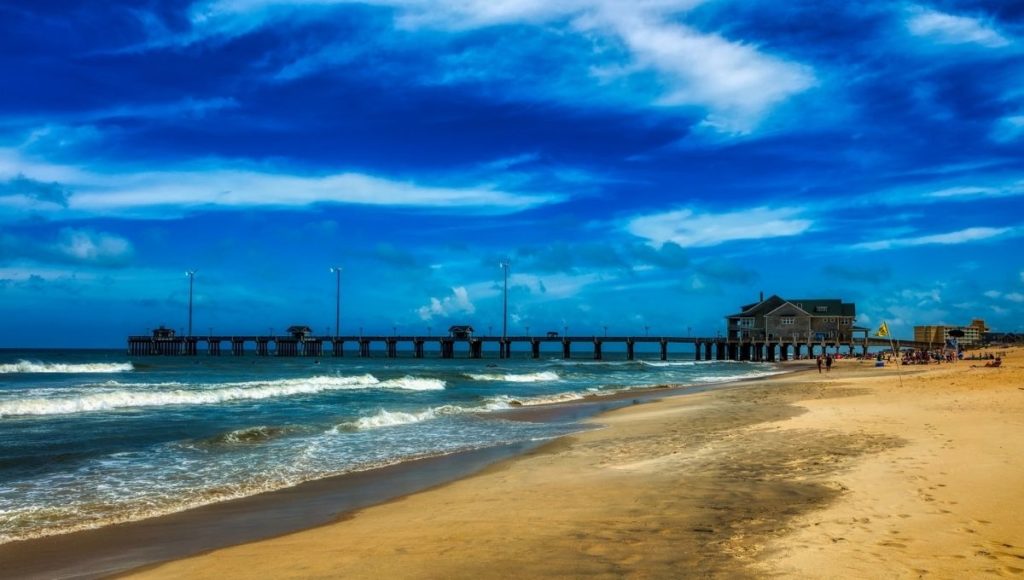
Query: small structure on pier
460, 331
808, 320
163, 333
300, 332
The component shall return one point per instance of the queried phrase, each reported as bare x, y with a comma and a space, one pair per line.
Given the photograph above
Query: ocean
90, 438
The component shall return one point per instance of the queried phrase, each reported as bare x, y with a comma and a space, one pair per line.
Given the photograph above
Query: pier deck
707, 348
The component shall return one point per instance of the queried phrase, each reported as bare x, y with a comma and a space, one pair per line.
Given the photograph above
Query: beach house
806, 320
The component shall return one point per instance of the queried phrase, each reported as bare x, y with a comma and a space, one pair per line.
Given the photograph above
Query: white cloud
1009, 128
456, 303
993, 294
90, 246
687, 228
951, 29
977, 191
736, 82
958, 237
1015, 297
133, 193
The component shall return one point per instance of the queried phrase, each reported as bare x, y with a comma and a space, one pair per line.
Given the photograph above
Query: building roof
833, 306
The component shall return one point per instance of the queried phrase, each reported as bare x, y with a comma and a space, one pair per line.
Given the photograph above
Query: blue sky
648, 163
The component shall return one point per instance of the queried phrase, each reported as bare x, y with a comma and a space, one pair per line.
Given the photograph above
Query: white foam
726, 378
24, 366
414, 384
212, 394
387, 418
525, 378
506, 402
651, 363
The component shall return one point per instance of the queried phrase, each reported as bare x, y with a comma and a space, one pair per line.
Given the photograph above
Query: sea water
92, 438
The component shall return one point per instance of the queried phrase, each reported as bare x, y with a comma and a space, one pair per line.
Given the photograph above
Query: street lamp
337, 300
606, 331
191, 281
647, 330
505, 264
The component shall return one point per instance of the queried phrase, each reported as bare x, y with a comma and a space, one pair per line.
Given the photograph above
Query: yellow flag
883, 330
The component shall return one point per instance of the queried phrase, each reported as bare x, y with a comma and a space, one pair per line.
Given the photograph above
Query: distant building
806, 320
163, 333
300, 331
460, 331
974, 333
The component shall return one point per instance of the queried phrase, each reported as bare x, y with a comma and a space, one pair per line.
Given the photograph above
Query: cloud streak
737, 83
688, 228
963, 236
953, 29
133, 193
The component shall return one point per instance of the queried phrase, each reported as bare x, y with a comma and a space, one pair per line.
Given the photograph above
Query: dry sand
838, 475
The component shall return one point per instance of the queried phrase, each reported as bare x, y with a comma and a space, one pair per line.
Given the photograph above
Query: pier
164, 343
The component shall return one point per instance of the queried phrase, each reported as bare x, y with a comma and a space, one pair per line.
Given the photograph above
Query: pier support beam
696, 350
630, 349
262, 346
707, 350
597, 350
771, 351
476, 348
313, 347
566, 348
364, 348
417, 347
534, 348
212, 347
720, 350
237, 346
337, 347
664, 349
447, 348
392, 348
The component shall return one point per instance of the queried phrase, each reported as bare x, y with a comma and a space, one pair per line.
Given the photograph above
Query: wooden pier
592, 347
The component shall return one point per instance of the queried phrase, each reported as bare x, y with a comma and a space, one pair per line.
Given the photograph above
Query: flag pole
899, 369
884, 331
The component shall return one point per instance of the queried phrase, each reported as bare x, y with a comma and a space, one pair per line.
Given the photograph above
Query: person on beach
828, 363
819, 364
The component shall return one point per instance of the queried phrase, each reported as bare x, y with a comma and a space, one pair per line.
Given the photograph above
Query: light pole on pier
337, 300
191, 282
505, 264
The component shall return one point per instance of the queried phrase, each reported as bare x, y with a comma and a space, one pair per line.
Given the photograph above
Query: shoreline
120, 548
845, 474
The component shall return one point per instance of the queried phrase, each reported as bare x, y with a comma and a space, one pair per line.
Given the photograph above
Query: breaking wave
512, 378
24, 366
120, 398
387, 418
248, 435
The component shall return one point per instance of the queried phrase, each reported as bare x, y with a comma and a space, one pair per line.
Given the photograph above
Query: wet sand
846, 474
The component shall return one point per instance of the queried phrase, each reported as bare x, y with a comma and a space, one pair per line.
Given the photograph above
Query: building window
748, 322
786, 320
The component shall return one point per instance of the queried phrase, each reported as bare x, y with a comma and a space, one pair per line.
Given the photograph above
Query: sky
647, 164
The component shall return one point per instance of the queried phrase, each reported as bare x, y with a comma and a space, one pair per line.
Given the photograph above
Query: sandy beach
845, 474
